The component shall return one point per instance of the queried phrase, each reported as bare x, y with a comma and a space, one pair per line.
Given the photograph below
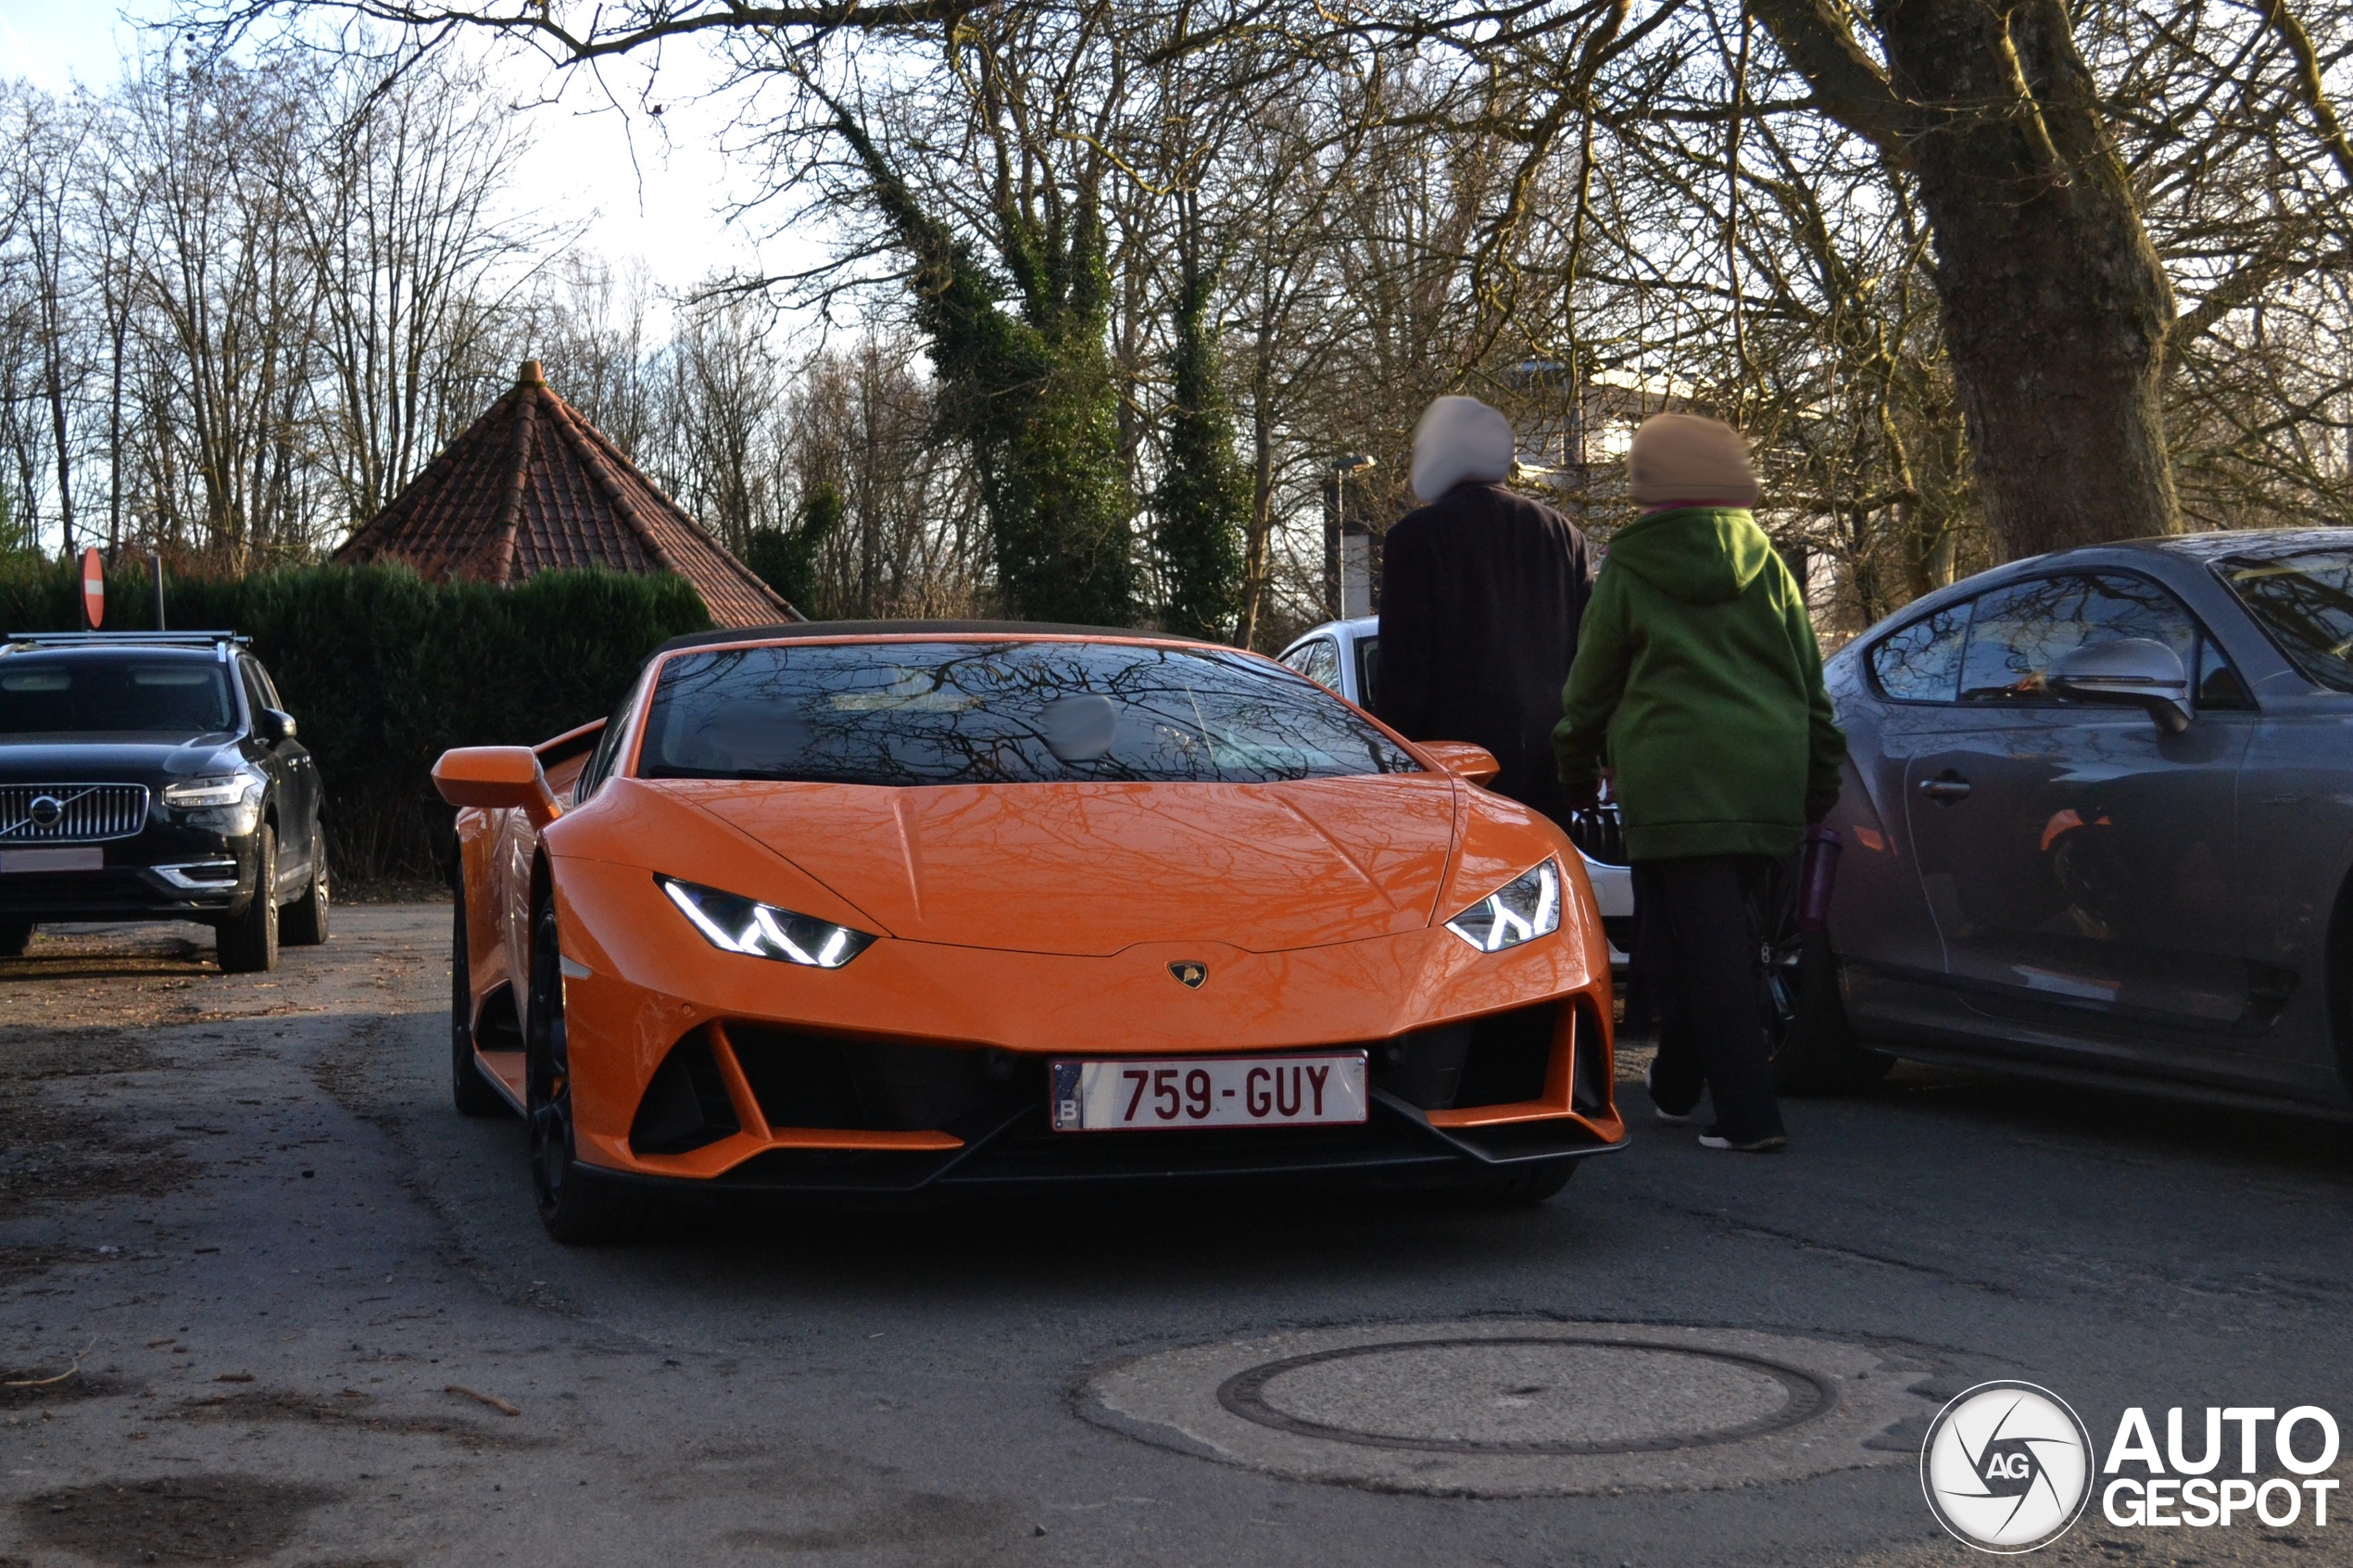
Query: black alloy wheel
469, 1090
247, 943
15, 936
304, 922
1807, 1036
579, 1207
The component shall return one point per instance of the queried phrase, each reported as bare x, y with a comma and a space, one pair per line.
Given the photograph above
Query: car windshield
86, 694
2304, 601
937, 713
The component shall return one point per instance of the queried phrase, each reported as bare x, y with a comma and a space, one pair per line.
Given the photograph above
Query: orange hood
1090, 869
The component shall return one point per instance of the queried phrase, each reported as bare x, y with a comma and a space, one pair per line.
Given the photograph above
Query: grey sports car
2098, 818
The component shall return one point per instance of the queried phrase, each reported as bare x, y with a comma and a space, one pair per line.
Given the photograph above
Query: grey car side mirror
276, 725
2130, 671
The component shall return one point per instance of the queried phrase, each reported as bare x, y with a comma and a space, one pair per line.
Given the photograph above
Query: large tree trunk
2055, 306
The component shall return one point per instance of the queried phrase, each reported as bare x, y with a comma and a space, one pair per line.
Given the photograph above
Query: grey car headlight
232, 789
1522, 909
737, 924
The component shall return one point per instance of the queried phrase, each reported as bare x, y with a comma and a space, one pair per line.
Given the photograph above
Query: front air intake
821, 1080
686, 1104
1511, 1055
1589, 1082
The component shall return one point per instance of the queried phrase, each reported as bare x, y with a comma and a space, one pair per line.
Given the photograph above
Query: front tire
303, 923
580, 1206
469, 1091
247, 944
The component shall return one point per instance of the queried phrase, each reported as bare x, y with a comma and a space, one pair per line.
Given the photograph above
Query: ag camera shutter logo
2007, 1467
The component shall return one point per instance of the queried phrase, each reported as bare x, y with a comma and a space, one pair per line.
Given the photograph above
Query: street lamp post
1341, 467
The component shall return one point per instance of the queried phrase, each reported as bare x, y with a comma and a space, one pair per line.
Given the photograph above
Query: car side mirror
276, 724
1463, 759
496, 778
2131, 672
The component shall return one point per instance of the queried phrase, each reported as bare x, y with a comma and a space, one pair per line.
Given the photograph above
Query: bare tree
400, 220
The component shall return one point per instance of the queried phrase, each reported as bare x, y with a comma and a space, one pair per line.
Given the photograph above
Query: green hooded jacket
1698, 680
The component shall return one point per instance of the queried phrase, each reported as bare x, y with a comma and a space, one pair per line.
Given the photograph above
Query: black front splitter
1014, 1151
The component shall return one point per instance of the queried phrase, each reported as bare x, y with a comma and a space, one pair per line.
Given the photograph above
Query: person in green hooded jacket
1698, 685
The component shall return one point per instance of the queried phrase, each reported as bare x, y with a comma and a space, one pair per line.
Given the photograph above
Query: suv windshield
86, 694
934, 713
2304, 601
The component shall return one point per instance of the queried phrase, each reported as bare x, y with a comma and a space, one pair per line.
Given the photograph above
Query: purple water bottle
1817, 875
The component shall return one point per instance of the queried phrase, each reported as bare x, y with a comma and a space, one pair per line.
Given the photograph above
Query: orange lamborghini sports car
865, 910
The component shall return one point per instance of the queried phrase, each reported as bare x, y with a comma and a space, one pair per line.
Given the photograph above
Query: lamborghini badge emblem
1190, 976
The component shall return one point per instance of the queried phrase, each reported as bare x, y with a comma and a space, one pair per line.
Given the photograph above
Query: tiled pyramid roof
530, 487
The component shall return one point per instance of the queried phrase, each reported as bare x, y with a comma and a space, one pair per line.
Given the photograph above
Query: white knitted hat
1460, 438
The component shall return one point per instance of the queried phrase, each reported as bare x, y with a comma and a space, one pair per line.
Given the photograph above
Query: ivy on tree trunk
786, 558
1203, 499
1029, 391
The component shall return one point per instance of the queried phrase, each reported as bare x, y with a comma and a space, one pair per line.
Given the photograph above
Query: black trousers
1697, 946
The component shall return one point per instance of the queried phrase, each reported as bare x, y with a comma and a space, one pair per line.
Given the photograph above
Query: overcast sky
646, 191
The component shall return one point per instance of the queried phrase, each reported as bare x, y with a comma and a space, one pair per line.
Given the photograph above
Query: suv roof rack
141, 639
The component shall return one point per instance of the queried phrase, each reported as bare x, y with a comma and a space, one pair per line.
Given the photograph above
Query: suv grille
76, 813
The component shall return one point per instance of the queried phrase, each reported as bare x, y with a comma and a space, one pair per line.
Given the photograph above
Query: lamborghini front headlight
737, 924
1522, 909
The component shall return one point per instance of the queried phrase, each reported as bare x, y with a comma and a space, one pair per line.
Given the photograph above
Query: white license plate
1209, 1091
52, 860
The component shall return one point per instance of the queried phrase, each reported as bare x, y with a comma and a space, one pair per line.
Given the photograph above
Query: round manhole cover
1527, 1395
1503, 1408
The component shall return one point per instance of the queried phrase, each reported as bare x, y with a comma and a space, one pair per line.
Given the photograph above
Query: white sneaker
1714, 1138
1674, 1119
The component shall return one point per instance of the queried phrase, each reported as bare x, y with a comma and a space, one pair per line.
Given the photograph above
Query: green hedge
387, 671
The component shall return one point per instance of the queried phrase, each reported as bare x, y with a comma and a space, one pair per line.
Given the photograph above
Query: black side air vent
1588, 1089
495, 1026
687, 1105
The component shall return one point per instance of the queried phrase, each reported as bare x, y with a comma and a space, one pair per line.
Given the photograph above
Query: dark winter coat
1481, 596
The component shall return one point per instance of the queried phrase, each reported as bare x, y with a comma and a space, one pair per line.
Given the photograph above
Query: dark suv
156, 776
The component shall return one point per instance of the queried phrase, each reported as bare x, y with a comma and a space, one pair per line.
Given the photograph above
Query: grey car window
2217, 685
2304, 601
1922, 662
261, 684
257, 694
2019, 631
923, 713
1319, 661
608, 741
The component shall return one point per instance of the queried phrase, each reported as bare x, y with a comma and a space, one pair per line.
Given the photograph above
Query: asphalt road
239, 1214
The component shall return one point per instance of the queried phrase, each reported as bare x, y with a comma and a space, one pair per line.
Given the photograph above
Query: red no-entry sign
94, 588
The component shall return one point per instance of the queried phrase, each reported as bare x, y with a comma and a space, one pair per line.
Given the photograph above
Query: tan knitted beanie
1686, 457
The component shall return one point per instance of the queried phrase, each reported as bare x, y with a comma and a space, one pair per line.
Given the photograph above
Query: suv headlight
736, 924
1522, 909
234, 789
